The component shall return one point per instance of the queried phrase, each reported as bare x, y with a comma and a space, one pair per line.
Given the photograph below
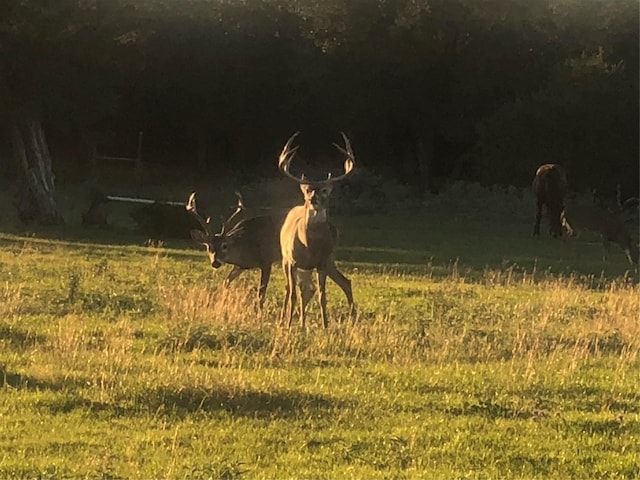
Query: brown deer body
251, 243
596, 219
550, 189
308, 239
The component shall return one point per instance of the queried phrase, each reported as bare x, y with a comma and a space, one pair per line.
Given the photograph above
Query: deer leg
322, 296
605, 249
343, 282
233, 274
265, 274
306, 287
290, 298
285, 304
536, 225
632, 253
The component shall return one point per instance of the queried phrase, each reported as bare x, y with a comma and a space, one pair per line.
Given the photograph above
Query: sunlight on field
133, 362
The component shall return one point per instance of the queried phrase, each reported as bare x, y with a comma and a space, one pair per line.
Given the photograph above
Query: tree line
428, 90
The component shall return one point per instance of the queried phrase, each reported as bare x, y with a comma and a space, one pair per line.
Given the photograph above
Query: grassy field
477, 352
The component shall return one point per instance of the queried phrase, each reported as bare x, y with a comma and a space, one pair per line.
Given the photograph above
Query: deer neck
314, 215
311, 220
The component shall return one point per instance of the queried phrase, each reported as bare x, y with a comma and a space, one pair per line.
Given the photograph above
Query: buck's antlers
289, 153
191, 208
206, 224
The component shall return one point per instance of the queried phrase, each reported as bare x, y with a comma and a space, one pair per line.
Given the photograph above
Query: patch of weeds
605, 427
530, 463
68, 403
28, 382
108, 475
382, 454
19, 338
245, 340
225, 471
489, 409
16, 380
118, 303
249, 403
203, 338
487, 342
101, 267
611, 342
103, 300
13, 473
73, 287
197, 338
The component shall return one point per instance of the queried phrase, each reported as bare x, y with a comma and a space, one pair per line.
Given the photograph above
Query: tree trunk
35, 197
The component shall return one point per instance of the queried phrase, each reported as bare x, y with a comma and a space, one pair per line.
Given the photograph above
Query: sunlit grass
133, 362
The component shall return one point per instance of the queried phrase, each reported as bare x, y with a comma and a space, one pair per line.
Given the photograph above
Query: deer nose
216, 263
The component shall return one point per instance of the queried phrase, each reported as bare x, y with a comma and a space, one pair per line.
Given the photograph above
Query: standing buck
550, 188
610, 227
307, 238
251, 243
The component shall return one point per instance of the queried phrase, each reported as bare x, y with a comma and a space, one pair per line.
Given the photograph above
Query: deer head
316, 193
216, 244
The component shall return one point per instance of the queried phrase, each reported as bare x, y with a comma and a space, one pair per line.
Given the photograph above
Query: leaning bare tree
35, 195
52, 55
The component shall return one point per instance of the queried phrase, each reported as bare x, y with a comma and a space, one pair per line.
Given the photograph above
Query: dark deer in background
610, 227
307, 238
251, 243
550, 189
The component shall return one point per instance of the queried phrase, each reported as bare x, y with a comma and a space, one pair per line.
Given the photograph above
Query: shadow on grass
245, 403
490, 410
176, 402
19, 381
204, 337
612, 427
19, 337
592, 399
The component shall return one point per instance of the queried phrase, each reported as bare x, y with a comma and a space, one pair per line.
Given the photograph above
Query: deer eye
224, 247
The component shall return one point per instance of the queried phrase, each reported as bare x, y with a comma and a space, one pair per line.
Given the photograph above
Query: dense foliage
429, 90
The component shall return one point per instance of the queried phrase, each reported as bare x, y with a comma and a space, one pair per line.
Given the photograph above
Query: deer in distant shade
253, 242
610, 227
307, 238
550, 189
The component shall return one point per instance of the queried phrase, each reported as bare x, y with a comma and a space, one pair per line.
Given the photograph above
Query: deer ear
198, 235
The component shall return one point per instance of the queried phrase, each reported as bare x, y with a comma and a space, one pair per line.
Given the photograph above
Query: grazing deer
598, 220
253, 242
307, 238
550, 188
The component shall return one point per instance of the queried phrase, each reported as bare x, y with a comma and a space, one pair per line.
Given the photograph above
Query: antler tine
350, 161
191, 208
286, 156
240, 201
239, 209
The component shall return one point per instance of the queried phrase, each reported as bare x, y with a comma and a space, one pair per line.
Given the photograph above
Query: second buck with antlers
250, 243
307, 238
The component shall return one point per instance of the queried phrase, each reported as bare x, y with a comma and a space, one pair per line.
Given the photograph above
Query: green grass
477, 352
